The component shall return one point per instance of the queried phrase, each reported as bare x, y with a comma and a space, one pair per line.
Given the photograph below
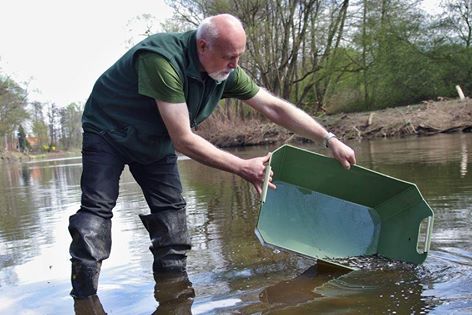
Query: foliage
13, 101
348, 55
39, 126
323, 55
61, 130
456, 21
70, 125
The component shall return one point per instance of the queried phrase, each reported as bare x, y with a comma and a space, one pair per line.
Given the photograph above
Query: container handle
266, 183
427, 238
427, 241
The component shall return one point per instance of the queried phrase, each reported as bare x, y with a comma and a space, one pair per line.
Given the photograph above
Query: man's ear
202, 46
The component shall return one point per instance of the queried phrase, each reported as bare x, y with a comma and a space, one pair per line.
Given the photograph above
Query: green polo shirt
158, 79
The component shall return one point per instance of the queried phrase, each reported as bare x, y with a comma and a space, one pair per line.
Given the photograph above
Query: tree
289, 41
13, 101
456, 20
38, 124
70, 126
391, 53
347, 55
140, 27
52, 125
451, 49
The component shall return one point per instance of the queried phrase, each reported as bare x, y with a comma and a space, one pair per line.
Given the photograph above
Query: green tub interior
323, 211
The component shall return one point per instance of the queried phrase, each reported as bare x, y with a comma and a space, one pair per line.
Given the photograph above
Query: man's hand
344, 154
287, 115
175, 117
253, 171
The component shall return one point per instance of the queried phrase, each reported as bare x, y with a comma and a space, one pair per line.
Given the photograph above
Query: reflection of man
301, 289
325, 289
142, 108
174, 293
88, 306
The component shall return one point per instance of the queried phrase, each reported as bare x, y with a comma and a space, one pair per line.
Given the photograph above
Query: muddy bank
14, 156
428, 118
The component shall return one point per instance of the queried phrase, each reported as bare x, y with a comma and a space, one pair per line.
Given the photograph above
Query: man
140, 111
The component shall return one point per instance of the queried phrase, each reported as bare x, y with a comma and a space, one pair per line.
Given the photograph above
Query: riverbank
427, 118
14, 156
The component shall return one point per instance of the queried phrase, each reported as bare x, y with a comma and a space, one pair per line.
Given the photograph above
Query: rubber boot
169, 239
91, 244
174, 293
84, 278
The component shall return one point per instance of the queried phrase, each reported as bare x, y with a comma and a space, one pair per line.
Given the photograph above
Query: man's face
220, 58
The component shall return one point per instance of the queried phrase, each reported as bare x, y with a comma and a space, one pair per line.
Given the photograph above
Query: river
229, 271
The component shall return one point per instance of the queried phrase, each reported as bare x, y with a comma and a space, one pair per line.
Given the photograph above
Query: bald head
222, 27
221, 40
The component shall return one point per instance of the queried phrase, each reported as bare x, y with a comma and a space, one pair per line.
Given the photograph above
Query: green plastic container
324, 211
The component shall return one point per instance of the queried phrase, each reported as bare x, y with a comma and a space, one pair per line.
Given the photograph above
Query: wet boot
84, 278
174, 293
169, 239
91, 244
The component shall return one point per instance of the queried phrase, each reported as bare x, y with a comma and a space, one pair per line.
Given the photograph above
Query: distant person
140, 111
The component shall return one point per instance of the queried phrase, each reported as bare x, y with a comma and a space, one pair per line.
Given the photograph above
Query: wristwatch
329, 136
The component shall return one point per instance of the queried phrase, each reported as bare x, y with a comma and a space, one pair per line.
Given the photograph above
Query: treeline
341, 55
323, 55
33, 126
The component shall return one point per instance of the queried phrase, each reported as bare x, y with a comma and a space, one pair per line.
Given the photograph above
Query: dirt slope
427, 118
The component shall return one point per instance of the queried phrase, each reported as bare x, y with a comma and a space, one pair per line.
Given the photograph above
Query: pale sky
61, 47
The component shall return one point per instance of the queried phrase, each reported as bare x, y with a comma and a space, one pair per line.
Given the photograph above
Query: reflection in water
379, 292
172, 291
301, 289
464, 158
230, 271
324, 288
88, 306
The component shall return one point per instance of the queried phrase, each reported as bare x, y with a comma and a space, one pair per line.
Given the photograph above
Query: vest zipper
194, 122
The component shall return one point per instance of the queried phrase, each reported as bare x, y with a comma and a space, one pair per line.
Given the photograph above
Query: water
229, 272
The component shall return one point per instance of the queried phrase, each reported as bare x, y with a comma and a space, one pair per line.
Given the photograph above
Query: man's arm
287, 115
176, 119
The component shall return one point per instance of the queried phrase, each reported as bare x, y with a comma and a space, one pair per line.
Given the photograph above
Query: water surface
228, 270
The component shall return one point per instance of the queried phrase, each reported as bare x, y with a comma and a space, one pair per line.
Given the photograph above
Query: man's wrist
328, 137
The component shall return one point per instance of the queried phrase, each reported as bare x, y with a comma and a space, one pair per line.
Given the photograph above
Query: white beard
220, 75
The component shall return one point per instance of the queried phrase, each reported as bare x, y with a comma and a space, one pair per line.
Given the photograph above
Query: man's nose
234, 63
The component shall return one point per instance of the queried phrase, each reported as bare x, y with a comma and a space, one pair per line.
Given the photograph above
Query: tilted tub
324, 211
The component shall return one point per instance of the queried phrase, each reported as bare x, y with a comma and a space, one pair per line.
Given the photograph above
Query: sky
60, 47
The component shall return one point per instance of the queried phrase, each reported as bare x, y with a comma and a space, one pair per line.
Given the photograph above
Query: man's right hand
175, 116
253, 170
